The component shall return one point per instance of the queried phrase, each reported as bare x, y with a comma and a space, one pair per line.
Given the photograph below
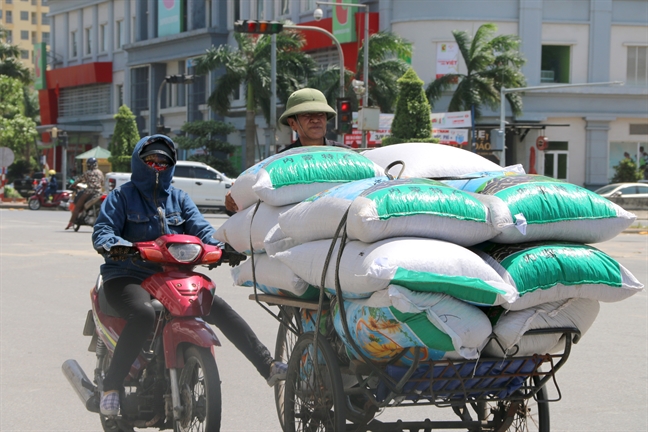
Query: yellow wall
35, 31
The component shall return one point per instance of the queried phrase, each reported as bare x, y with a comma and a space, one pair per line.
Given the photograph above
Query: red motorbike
90, 211
174, 383
60, 199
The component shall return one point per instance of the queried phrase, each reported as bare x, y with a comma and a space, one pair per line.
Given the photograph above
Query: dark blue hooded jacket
142, 210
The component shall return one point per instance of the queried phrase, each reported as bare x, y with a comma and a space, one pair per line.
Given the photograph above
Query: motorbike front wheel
200, 392
34, 204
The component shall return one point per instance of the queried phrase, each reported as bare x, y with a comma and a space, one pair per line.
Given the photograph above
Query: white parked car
627, 191
206, 186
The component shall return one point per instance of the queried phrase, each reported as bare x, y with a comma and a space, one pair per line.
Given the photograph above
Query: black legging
126, 295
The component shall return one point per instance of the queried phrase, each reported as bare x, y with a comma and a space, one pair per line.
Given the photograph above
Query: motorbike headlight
185, 253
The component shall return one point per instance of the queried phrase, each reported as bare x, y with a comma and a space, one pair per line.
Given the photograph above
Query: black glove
121, 253
231, 256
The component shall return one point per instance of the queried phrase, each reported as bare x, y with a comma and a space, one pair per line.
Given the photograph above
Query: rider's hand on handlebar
121, 253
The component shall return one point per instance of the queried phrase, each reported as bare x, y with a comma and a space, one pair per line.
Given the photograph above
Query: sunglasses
157, 161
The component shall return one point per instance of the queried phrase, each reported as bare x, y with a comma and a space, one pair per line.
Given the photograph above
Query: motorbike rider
94, 179
52, 185
143, 209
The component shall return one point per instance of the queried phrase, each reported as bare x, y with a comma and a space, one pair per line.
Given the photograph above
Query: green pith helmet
307, 100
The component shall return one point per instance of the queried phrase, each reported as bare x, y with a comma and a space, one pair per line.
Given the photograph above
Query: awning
97, 152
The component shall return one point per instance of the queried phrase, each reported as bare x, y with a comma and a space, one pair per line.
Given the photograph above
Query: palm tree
492, 62
10, 64
249, 65
387, 52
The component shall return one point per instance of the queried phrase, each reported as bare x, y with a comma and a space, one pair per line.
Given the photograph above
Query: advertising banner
40, 65
453, 137
451, 120
170, 13
447, 58
344, 28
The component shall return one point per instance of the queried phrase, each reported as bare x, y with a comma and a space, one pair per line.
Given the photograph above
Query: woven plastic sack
430, 160
380, 208
549, 272
277, 241
236, 230
423, 265
544, 208
272, 277
510, 326
297, 174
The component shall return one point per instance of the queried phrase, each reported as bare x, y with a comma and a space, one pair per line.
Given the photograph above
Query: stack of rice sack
276, 184
443, 265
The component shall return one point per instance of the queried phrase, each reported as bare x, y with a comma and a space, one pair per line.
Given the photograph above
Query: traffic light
259, 27
344, 115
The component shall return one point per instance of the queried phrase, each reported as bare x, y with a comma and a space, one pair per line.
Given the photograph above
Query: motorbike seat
109, 310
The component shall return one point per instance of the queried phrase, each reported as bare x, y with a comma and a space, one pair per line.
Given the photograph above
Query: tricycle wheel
531, 415
200, 392
314, 395
34, 204
286, 340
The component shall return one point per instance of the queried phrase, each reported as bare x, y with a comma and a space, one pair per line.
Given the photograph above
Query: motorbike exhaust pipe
81, 384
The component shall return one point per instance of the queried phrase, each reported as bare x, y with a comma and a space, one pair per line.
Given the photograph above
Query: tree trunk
250, 129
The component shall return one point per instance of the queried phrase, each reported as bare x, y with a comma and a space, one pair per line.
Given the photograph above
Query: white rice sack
380, 208
430, 160
467, 326
418, 264
299, 173
236, 230
272, 277
544, 208
511, 325
277, 241
549, 272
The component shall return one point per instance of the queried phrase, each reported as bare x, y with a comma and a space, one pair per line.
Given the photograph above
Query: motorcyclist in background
143, 209
94, 179
52, 185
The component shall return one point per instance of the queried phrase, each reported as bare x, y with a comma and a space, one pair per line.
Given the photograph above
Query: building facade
26, 23
113, 52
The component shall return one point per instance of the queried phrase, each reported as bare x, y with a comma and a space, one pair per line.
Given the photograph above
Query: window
120, 95
33, 2
639, 129
84, 100
24, 34
181, 95
88, 41
555, 160
9, 17
102, 38
0, 13
34, 38
24, 54
555, 64
309, 5
46, 37
45, 19
183, 171
204, 173
24, 16
637, 72
8, 1
73, 44
285, 7
34, 20
118, 34
260, 9
9, 36
237, 10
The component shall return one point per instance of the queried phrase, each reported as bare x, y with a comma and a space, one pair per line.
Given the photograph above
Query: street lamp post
365, 72
172, 79
504, 91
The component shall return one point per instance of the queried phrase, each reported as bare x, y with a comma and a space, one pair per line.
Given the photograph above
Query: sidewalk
639, 225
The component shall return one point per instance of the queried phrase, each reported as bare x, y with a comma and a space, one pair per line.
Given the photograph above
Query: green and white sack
236, 230
430, 160
272, 277
544, 208
299, 173
380, 208
423, 265
511, 325
549, 272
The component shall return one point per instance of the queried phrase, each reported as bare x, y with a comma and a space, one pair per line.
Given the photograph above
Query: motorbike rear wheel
34, 204
200, 392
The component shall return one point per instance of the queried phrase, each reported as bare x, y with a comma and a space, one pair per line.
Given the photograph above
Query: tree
412, 118
249, 65
626, 171
492, 62
205, 136
16, 130
387, 52
123, 140
10, 64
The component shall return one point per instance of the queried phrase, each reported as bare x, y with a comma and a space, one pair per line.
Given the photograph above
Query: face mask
157, 161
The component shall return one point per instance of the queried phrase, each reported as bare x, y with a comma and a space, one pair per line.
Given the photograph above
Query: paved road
46, 274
